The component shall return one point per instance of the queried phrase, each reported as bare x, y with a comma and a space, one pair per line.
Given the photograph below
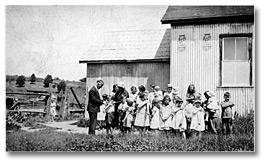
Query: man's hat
170, 86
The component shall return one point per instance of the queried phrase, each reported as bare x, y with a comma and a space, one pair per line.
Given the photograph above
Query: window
236, 62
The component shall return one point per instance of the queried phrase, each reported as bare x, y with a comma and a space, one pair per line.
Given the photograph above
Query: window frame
250, 47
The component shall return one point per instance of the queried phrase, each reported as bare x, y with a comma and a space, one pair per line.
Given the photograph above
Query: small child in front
179, 123
227, 114
109, 110
197, 121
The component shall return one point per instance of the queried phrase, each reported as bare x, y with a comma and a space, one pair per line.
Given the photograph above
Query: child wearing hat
197, 121
227, 114
179, 123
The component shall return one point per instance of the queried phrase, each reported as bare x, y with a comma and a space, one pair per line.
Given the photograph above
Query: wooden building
137, 57
213, 47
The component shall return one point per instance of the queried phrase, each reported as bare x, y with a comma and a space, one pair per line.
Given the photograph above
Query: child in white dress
197, 122
142, 120
165, 115
154, 124
179, 123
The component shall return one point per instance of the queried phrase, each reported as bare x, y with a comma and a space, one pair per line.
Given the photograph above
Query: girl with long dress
165, 116
154, 124
142, 120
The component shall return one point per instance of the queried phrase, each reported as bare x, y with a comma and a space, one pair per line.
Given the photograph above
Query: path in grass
68, 126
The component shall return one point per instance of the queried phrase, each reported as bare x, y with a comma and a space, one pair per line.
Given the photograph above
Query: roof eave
156, 60
210, 20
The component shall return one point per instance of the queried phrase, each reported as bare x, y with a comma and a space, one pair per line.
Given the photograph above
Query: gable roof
192, 14
130, 45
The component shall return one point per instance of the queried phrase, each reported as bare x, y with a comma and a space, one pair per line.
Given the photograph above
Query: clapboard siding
197, 61
130, 73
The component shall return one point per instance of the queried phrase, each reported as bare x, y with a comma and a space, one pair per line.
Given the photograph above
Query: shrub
33, 78
20, 81
47, 80
61, 86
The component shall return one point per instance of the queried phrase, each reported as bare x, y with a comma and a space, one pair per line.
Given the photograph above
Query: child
102, 114
109, 110
158, 93
154, 124
165, 114
227, 114
142, 114
211, 107
129, 112
197, 121
151, 95
133, 94
122, 108
175, 93
179, 123
169, 91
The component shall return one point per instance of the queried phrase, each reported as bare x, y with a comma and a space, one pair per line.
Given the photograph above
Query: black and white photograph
130, 78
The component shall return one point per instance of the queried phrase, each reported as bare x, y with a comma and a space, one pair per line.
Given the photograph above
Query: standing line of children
166, 113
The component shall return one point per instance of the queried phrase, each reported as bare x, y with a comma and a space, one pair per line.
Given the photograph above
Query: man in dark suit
94, 104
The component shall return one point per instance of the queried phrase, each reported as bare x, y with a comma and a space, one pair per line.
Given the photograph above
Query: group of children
166, 112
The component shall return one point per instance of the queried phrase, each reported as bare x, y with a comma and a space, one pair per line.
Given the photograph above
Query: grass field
50, 140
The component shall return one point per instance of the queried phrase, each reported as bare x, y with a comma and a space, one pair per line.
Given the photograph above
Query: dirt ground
66, 126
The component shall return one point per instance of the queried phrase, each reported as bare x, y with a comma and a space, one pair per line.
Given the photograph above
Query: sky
52, 39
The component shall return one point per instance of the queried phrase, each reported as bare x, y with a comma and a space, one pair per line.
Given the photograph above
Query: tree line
20, 80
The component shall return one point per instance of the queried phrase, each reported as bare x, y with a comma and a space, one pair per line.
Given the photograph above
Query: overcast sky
52, 39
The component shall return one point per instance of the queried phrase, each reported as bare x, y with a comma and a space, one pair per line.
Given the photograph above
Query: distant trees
20, 81
47, 80
33, 78
61, 86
